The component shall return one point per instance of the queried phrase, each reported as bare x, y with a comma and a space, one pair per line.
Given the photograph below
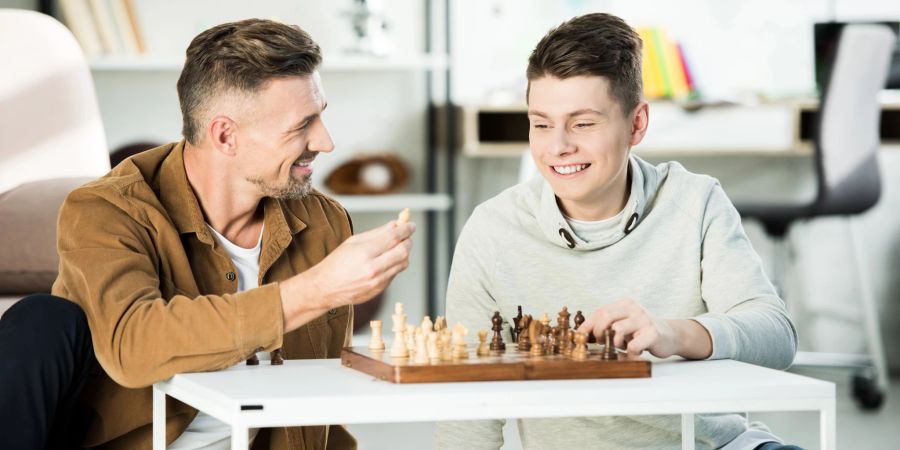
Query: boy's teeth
565, 170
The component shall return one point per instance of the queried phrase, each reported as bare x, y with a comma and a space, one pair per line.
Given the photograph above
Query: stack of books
103, 27
665, 70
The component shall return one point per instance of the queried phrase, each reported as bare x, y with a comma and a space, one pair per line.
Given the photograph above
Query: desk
316, 392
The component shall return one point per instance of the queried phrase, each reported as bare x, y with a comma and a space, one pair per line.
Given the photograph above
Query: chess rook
376, 342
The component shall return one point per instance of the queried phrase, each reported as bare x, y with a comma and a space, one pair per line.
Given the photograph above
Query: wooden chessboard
499, 366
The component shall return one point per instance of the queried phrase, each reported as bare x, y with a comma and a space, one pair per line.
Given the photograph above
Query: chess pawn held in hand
580, 352
377, 342
497, 343
398, 347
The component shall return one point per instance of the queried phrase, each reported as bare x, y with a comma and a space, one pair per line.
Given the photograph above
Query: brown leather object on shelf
391, 174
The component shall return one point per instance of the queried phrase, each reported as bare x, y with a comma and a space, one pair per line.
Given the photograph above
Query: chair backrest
49, 120
848, 133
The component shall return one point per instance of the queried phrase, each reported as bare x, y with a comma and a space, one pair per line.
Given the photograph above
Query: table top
308, 392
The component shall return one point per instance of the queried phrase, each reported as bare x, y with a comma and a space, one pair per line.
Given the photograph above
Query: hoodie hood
645, 183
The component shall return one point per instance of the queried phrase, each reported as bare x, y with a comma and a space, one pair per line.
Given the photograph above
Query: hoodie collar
557, 230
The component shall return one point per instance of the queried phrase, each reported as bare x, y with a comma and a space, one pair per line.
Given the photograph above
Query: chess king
195, 255
654, 252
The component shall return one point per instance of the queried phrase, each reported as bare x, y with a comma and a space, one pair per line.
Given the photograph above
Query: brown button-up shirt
160, 296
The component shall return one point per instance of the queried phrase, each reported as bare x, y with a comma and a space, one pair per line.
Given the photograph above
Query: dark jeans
45, 356
776, 446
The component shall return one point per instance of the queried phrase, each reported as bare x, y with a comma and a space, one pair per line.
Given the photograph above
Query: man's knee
40, 318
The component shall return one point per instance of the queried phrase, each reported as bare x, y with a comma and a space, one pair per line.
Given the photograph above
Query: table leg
159, 419
687, 431
828, 426
239, 437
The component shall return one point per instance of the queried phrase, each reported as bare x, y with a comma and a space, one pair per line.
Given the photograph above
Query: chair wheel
867, 393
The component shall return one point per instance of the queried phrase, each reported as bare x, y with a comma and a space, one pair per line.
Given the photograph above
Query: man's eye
541, 125
584, 125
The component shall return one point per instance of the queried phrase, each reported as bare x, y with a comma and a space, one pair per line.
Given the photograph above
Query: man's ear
221, 134
640, 119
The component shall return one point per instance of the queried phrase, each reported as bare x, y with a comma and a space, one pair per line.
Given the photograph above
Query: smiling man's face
580, 140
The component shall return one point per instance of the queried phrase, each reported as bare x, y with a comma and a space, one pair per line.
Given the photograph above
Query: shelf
393, 203
151, 63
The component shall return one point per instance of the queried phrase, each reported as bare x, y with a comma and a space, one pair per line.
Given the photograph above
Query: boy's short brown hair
595, 44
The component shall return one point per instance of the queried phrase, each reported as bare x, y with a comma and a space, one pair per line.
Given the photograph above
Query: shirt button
332, 311
230, 276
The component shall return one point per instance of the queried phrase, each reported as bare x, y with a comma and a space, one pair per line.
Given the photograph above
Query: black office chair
848, 183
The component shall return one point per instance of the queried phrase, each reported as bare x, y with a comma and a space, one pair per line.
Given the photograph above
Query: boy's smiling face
580, 139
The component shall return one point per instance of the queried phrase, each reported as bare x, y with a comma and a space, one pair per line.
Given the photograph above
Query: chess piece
426, 326
517, 325
398, 347
567, 344
376, 343
483, 349
434, 353
562, 321
403, 217
445, 345
497, 343
253, 360
524, 343
421, 355
534, 334
410, 337
545, 319
545, 338
459, 342
609, 349
440, 323
580, 352
277, 357
579, 319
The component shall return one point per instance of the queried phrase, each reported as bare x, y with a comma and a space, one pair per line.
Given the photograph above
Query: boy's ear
640, 119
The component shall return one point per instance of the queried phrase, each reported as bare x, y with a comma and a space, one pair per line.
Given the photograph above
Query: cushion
28, 213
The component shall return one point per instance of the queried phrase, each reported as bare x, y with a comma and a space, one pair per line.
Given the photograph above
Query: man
196, 255
654, 252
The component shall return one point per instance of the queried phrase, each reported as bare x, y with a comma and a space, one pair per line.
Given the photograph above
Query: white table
318, 392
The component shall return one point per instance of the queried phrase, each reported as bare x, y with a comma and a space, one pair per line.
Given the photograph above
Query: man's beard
294, 189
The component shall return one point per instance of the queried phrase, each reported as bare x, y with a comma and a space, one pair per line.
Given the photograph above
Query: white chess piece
398, 347
376, 343
434, 352
459, 342
426, 325
421, 350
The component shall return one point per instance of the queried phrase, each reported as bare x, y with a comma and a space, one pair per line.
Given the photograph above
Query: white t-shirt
206, 432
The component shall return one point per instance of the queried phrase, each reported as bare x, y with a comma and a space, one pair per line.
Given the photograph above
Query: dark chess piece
562, 321
497, 343
579, 319
517, 325
545, 339
553, 341
565, 342
609, 350
580, 352
524, 343
277, 357
253, 360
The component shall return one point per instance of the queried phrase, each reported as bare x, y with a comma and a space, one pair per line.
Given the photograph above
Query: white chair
51, 128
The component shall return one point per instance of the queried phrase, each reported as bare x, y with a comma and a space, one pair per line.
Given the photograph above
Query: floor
855, 429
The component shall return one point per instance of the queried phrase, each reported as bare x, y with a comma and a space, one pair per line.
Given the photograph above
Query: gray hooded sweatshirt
678, 249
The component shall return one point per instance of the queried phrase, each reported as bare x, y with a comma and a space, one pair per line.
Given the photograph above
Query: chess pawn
376, 343
434, 353
580, 352
483, 349
609, 349
410, 336
421, 350
426, 325
446, 346
535, 336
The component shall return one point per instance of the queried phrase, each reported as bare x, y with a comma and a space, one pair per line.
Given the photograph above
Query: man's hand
355, 272
637, 330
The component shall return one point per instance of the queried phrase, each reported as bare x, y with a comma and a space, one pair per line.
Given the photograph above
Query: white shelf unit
167, 63
394, 202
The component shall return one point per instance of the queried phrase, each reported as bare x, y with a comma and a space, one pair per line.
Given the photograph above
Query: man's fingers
623, 329
641, 340
601, 319
393, 256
